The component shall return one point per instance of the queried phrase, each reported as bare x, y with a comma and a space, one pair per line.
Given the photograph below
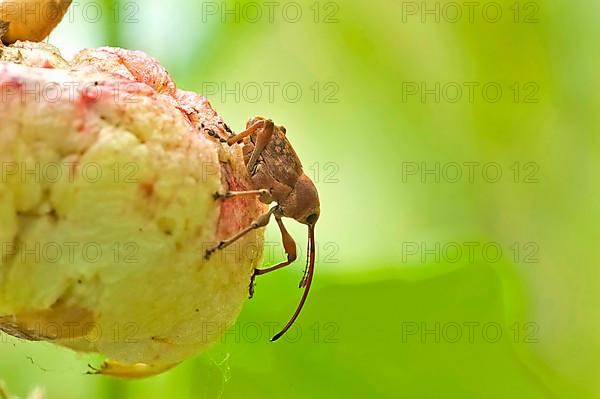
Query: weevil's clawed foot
218, 196
210, 252
128, 371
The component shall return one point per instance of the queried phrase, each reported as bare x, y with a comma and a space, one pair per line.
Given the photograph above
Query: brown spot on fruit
147, 189
162, 340
167, 225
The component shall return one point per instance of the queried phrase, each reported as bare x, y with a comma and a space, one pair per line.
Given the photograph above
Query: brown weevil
277, 177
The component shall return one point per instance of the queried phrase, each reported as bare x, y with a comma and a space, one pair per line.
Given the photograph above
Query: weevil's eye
312, 219
283, 129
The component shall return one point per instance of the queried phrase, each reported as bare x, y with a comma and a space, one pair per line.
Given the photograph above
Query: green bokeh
356, 339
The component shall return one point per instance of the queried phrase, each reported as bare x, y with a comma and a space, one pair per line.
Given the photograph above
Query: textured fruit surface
106, 208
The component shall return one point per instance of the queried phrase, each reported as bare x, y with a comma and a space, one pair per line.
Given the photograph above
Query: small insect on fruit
277, 177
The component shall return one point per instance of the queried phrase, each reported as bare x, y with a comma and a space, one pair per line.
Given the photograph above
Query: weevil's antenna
306, 282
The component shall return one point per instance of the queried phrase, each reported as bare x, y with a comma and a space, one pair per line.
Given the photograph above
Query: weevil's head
303, 204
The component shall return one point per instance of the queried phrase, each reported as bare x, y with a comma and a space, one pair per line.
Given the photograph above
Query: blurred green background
399, 307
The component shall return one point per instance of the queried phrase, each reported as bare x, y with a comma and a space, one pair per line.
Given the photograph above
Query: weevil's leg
241, 136
262, 221
290, 249
263, 138
265, 129
231, 194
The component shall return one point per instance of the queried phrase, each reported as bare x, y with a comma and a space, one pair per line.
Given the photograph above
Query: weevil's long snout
306, 281
305, 208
